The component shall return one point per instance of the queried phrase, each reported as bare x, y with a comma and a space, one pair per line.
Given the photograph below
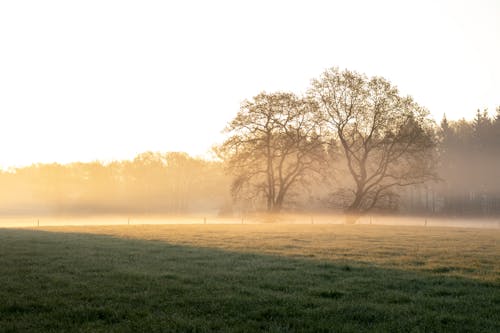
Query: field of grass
245, 278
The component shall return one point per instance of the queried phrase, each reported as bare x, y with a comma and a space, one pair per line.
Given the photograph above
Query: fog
254, 219
174, 187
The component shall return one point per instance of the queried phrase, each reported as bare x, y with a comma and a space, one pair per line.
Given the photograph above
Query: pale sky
88, 80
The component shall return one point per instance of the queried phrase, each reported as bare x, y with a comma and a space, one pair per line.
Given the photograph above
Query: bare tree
274, 148
387, 140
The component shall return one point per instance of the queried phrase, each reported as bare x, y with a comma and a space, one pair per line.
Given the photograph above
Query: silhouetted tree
387, 140
482, 130
496, 130
274, 148
445, 130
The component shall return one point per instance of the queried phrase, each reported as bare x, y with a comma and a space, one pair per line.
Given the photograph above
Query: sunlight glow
109, 79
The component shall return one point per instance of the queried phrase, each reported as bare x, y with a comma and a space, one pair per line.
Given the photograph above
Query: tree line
351, 143
150, 183
470, 165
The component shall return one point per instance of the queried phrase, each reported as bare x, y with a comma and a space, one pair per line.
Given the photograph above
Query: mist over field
254, 219
153, 187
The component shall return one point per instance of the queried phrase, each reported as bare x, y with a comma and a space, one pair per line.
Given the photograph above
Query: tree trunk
352, 218
353, 212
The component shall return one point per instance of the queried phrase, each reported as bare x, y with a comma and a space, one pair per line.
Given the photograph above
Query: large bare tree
387, 140
274, 148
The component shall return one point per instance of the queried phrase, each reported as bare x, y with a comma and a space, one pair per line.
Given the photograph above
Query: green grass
276, 278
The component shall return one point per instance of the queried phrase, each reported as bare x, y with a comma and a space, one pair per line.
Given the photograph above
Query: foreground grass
241, 278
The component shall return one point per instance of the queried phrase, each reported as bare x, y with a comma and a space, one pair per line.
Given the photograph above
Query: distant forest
150, 183
469, 154
469, 168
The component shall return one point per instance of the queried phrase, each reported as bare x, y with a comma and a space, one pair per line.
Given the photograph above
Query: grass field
244, 278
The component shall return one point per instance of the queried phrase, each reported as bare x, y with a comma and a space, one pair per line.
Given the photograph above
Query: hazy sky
86, 80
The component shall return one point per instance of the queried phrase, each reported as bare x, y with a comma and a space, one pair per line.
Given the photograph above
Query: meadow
273, 277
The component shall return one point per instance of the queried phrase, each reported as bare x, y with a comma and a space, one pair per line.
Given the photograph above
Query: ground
238, 278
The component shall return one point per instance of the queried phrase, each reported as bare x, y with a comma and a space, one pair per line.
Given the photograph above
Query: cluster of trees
150, 183
348, 126
470, 165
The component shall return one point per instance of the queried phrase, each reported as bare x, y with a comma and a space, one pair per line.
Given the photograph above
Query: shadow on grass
84, 282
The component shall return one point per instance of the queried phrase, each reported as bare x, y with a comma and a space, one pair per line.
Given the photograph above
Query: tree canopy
387, 140
274, 148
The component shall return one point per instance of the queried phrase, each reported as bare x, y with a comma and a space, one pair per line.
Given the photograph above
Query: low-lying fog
33, 221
